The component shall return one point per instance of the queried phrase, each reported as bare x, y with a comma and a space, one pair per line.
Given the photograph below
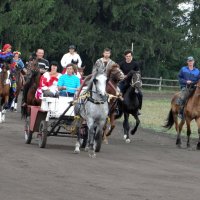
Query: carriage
56, 117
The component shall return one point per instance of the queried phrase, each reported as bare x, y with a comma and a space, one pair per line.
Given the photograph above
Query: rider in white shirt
71, 57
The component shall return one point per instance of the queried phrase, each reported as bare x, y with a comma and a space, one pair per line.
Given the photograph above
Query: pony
30, 87
94, 110
130, 103
115, 75
191, 111
4, 90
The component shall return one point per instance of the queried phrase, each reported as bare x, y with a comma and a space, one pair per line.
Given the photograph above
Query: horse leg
126, 128
0, 110
198, 124
91, 134
78, 144
109, 130
133, 131
15, 105
188, 131
180, 126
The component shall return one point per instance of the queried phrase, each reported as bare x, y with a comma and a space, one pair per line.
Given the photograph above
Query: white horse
95, 111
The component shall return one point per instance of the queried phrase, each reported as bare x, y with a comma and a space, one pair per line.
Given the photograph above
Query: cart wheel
98, 141
27, 133
42, 135
83, 136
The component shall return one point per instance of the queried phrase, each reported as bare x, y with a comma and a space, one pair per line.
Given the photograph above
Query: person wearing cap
188, 76
48, 82
68, 83
6, 55
71, 57
127, 65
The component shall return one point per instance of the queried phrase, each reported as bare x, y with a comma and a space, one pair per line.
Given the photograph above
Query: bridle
138, 80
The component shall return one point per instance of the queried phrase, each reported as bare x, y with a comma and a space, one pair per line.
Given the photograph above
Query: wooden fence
160, 83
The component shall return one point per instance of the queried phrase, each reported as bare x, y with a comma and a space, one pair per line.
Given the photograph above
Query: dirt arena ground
149, 168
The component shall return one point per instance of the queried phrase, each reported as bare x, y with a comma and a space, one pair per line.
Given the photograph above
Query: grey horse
94, 110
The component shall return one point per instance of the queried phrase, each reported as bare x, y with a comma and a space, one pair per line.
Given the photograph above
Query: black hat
72, 46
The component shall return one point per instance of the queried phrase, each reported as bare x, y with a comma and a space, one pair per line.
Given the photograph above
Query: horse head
99, 83
115, 74
135, 81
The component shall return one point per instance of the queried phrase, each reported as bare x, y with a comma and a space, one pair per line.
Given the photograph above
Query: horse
4, 90
191, 111
19, 84
130, 103
30, 87
94, 110
115, 75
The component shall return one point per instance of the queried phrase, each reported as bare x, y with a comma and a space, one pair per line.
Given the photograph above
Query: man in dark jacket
188, 77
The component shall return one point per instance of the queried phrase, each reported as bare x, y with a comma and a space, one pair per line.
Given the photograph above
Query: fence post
160, 83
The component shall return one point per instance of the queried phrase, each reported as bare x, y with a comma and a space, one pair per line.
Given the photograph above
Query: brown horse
114, 75
30, 87
4, 90
191, 111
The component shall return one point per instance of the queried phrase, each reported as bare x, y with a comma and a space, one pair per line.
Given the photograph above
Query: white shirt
68, 57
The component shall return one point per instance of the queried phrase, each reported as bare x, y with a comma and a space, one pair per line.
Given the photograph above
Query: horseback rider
126, 66
188, 77
105, 62
43, 64
71, 57
6, 56
102, 64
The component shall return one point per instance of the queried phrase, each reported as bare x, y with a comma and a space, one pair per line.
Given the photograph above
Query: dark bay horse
191, 111
130, 103
4, 90
30, 87
114, 75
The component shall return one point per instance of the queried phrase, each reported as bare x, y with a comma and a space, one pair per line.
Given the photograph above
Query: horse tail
170, 120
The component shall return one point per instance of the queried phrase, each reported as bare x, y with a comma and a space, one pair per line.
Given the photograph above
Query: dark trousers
66, 94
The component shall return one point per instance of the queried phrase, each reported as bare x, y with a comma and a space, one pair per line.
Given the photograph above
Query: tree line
163, 35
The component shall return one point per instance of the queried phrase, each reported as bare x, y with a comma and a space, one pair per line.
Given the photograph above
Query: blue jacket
186, 74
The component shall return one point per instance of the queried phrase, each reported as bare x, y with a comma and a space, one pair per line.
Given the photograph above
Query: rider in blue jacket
188, 77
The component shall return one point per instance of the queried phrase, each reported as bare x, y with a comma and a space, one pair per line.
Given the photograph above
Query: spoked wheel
98, 142
42, 135
27, 133
83, 136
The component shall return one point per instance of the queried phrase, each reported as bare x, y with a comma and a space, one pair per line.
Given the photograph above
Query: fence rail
161, 83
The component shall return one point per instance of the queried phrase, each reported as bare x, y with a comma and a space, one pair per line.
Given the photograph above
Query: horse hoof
198, 146
86, 149
105, 141
76, 151
128, 141
92, 155
178, 142
125, 136
188, 145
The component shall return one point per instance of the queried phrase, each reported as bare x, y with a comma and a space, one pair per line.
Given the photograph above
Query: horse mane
110, 70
